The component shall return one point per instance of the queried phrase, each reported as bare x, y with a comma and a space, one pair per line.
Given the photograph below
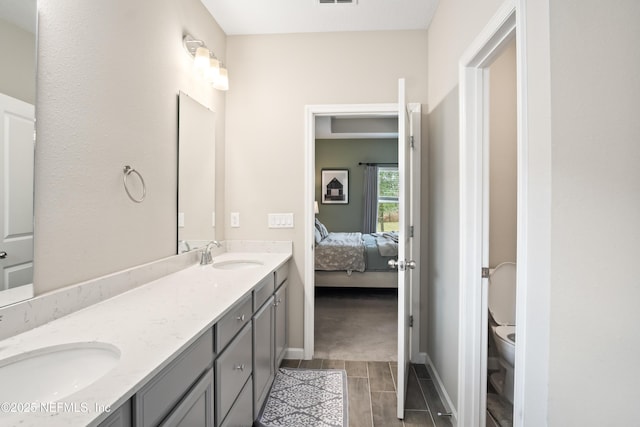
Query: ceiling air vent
337, 1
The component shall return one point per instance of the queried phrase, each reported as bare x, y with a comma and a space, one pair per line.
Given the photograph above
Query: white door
16, 194
404, 264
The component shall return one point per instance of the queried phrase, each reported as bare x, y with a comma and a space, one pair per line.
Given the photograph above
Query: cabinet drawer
263, 291
282, 273
232, 322
158, 397
233, 368
240, 413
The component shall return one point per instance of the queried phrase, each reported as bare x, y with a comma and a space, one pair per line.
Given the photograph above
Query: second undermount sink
237, 264
52, 373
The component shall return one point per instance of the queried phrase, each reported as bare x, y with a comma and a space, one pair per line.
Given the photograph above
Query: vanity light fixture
206, 63
222, 82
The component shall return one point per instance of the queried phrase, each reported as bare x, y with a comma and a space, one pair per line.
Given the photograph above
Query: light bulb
201, 61
213, 71
222, 82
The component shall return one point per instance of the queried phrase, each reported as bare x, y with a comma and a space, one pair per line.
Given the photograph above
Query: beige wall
18, 58
109, 72
273, 78
595, 290
583, 204
503, 157
454, 26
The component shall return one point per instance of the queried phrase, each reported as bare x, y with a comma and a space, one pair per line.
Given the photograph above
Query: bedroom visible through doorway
356, 193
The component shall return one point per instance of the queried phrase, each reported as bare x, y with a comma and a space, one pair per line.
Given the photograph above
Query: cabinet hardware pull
240, 318
239, 367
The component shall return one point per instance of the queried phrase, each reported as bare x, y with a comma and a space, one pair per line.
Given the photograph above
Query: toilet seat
506, 346
503, 333
502, 294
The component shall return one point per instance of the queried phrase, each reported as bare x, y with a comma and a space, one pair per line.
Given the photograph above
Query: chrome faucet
206, 257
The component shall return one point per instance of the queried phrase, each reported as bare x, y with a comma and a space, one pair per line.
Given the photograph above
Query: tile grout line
425, 400
370, 397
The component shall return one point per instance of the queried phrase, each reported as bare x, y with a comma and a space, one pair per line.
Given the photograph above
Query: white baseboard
442, 392
294, 353
421, 358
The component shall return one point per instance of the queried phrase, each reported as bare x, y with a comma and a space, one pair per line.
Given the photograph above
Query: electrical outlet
181, 219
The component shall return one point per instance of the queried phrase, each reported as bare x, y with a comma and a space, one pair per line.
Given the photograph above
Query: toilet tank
502, 294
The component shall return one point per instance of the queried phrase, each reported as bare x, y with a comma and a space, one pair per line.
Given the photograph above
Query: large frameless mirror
196, 174
18, 41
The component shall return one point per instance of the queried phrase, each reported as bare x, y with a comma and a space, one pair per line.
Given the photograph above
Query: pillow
318, 236
322, 229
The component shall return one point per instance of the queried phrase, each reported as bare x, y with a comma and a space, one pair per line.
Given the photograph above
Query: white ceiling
308, 16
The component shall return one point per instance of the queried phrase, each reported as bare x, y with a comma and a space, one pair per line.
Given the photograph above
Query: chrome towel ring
128, 170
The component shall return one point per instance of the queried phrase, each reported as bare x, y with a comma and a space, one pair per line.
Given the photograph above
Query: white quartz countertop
150, 325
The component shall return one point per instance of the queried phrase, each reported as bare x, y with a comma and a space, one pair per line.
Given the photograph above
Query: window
388, 189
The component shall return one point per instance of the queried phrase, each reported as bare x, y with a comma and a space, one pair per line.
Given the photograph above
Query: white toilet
502, 318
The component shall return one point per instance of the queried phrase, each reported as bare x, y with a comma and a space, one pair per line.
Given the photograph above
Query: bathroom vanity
196, 347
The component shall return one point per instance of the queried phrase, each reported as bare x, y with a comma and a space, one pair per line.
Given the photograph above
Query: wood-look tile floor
372, 393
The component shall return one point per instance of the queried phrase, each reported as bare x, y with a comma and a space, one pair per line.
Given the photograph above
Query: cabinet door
281, 323
121, 417
196, 408
240, 413
263, 353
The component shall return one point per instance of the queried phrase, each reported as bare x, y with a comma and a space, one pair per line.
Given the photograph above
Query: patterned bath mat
306, 398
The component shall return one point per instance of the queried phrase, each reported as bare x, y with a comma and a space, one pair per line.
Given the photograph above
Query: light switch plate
280, 220
235, 219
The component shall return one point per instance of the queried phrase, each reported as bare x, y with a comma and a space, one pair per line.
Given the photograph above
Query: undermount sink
51, 373
240, 264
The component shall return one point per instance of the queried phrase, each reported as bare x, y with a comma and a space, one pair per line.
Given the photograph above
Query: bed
355, 259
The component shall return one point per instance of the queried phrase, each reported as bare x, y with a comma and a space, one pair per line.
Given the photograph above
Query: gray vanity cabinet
281, 340
240, 413
263, 353
233, 371
120, 417
233, 321
196, 408
175, 394
281, 333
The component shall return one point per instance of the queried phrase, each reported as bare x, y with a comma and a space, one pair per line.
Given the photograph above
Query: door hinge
411, 141
411, 321
411, 231
485, 272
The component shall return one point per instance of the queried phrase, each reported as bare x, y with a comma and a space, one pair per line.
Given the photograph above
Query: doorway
355, 310
502, 234
474, 217
409, 293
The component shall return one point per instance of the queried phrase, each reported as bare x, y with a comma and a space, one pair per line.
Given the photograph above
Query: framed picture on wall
335, 186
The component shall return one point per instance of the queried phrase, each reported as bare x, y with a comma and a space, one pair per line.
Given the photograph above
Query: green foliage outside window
388, 190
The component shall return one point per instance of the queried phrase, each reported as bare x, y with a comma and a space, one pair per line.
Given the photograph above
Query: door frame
310, 113
506, 24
